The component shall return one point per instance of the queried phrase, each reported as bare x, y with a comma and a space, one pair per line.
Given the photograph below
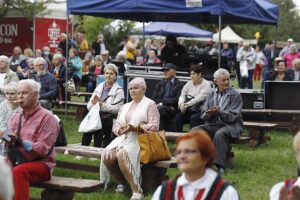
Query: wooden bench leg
152, 177
257, 137
55, 195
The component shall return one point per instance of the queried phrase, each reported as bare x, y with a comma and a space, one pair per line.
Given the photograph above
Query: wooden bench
293, 124
257, 132
63, 188
81, 109
152, 174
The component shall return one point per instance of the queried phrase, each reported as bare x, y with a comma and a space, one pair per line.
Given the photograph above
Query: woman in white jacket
110, 96
121, 157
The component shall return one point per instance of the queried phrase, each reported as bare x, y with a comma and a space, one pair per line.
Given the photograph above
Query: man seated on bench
48, 83
222, 116
36, 130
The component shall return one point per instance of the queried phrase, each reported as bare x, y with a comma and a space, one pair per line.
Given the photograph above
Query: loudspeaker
252, 99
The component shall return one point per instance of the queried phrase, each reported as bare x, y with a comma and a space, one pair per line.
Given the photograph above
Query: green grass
254, 172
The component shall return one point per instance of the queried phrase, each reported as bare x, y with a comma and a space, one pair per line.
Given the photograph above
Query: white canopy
227, 34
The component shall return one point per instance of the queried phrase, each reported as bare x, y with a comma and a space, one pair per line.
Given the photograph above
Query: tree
26, 7
113, 31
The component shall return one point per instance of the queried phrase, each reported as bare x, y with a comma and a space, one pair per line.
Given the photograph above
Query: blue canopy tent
191, 11
205, 11
176, 29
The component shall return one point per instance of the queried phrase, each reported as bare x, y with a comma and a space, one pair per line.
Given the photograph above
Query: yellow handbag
153, 146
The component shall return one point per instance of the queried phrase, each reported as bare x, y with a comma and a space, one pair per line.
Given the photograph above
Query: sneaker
120, 188
78, 157
137, 196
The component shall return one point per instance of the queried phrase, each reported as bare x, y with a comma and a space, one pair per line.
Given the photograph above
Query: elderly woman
122, 156
58, 69
193, 94
288, 189
75, 65
195, 155
8, 107
110, 96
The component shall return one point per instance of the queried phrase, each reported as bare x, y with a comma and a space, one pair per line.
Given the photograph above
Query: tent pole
219, 46
144, 36
276, 35
67, 55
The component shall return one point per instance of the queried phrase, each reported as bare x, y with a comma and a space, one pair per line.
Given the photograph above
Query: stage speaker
252, 99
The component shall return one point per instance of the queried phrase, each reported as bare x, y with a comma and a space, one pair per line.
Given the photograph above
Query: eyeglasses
37, 65
8, 93
186, 151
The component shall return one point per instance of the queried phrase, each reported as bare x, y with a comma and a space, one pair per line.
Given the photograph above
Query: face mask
46, 53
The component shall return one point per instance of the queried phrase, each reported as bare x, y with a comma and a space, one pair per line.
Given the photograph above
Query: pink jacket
42, 129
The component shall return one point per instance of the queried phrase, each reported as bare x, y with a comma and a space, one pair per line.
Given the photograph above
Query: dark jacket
61, 73
288, 76
48, 86
172, 100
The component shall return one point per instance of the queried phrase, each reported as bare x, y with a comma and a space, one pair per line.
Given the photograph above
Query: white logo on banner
193, 3
53, 34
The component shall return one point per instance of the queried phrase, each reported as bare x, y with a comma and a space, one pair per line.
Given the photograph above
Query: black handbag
196, 107
12, 151
61, 138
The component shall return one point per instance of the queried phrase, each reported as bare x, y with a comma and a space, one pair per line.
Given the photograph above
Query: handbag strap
19, 125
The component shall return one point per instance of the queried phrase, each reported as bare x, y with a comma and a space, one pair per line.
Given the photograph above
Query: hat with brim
169, 66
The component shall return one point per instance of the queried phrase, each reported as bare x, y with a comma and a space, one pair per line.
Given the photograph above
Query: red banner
47, 32
15, 31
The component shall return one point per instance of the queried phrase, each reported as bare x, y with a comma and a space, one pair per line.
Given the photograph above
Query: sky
297, 2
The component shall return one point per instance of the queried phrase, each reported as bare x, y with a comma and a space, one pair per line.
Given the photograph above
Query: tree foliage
113, 34
26, 7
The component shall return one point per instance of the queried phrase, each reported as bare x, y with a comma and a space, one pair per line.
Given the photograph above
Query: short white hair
113, 67
4, 58
6, 181
220, 72
39, 60
35, 86
57, 56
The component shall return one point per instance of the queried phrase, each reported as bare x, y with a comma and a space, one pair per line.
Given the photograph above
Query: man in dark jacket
47, 81
166, 95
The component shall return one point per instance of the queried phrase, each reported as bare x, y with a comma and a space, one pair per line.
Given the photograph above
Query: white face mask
46, 53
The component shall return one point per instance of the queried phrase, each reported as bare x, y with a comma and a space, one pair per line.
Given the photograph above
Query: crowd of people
31, 82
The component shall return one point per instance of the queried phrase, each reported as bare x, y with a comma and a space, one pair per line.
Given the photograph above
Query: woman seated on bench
195, 154
110, 96
122, 156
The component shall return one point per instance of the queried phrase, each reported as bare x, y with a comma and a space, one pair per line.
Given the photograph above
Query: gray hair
40, 60
220, 72
138, 81
57, 56
98, 58
35, 86
11, 87
4, 58
6, 181
113, 67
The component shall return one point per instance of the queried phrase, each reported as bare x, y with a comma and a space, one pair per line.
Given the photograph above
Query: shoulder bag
153, 146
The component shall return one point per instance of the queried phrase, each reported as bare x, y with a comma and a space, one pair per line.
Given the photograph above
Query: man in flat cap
166, 95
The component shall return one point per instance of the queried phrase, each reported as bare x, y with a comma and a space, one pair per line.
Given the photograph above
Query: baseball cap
169, 66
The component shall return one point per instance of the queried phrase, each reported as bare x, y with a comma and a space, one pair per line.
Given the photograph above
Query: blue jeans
248, 82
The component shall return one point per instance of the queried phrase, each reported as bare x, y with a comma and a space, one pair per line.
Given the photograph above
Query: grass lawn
254, 172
